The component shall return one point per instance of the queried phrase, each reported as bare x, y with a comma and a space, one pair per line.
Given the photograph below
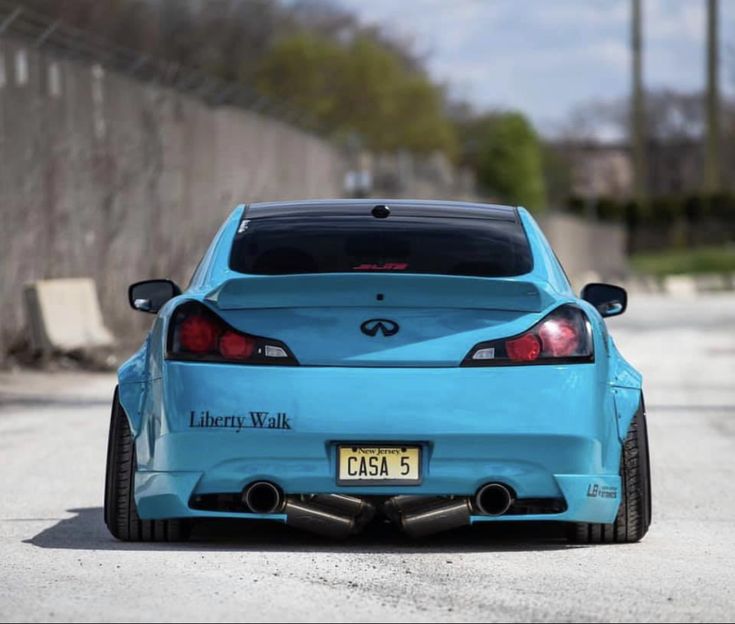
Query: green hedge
678, 261
658, 210
670, 222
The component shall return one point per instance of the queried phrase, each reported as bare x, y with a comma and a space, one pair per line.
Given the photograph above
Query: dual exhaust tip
338, 515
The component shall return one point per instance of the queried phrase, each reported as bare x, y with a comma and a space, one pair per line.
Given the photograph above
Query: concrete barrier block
633, 285
680, 285
645, 284
64, 315
712, 282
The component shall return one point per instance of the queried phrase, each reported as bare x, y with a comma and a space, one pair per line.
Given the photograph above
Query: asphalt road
57, 561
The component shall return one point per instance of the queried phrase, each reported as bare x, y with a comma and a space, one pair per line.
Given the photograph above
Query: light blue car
337, 363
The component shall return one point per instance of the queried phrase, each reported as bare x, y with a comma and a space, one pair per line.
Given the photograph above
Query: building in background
605, 170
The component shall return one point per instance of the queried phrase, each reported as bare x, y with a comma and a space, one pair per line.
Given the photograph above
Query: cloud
675, 21
546, 57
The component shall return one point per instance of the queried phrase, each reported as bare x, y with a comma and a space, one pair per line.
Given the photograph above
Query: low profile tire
634, 515
121, 514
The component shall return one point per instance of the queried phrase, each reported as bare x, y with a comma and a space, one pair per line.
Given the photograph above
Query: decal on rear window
388, 266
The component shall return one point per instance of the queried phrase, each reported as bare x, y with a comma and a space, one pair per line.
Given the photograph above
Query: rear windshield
437, 245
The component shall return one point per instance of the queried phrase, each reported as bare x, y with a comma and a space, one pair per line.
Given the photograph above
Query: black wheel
121, 514
634, 515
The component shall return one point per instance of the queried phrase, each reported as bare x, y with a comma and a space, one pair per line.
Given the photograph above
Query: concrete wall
107, 177
433, 177
588, 251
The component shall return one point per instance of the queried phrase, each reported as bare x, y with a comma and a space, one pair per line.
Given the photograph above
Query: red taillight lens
233, 345
524, 349
564, 336
559, 337
196, 333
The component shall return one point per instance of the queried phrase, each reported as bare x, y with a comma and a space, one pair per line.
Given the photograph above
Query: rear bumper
167, 495
545, 431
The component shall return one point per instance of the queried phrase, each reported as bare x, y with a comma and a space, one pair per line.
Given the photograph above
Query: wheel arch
628, 403
627, 389
133, 379
130, 396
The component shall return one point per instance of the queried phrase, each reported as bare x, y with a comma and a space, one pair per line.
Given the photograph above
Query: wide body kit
368, 417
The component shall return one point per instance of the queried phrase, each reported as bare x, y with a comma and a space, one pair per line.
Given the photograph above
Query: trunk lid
380, 320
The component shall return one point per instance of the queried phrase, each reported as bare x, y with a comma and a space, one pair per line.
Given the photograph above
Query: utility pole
712, 145
638, 113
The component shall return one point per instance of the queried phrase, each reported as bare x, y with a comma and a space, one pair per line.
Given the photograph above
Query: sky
545, 57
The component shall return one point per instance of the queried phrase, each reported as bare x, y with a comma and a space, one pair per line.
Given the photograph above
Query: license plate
378, 465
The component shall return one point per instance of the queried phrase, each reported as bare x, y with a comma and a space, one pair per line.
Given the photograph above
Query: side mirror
150, 295
608, 299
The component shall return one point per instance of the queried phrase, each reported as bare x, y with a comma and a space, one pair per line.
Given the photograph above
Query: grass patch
679, 261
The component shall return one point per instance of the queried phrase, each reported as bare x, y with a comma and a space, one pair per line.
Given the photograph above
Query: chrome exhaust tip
494, 499
262, 497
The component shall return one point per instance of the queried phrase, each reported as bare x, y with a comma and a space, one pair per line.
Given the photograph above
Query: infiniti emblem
384, 326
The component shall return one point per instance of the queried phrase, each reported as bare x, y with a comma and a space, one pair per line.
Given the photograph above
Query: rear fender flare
628, 402
132, 382
130, 396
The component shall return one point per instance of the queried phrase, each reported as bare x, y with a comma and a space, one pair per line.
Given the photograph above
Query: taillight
562, 337
236, 346
196, 333
524, 349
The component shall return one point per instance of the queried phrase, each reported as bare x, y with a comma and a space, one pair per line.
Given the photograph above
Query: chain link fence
43, 32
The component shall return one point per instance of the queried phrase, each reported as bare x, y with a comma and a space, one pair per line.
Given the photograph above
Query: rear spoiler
348, 290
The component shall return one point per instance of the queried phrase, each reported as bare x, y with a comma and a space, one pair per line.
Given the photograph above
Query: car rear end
425, 361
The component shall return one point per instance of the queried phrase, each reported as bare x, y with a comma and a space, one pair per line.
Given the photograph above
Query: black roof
398, 207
